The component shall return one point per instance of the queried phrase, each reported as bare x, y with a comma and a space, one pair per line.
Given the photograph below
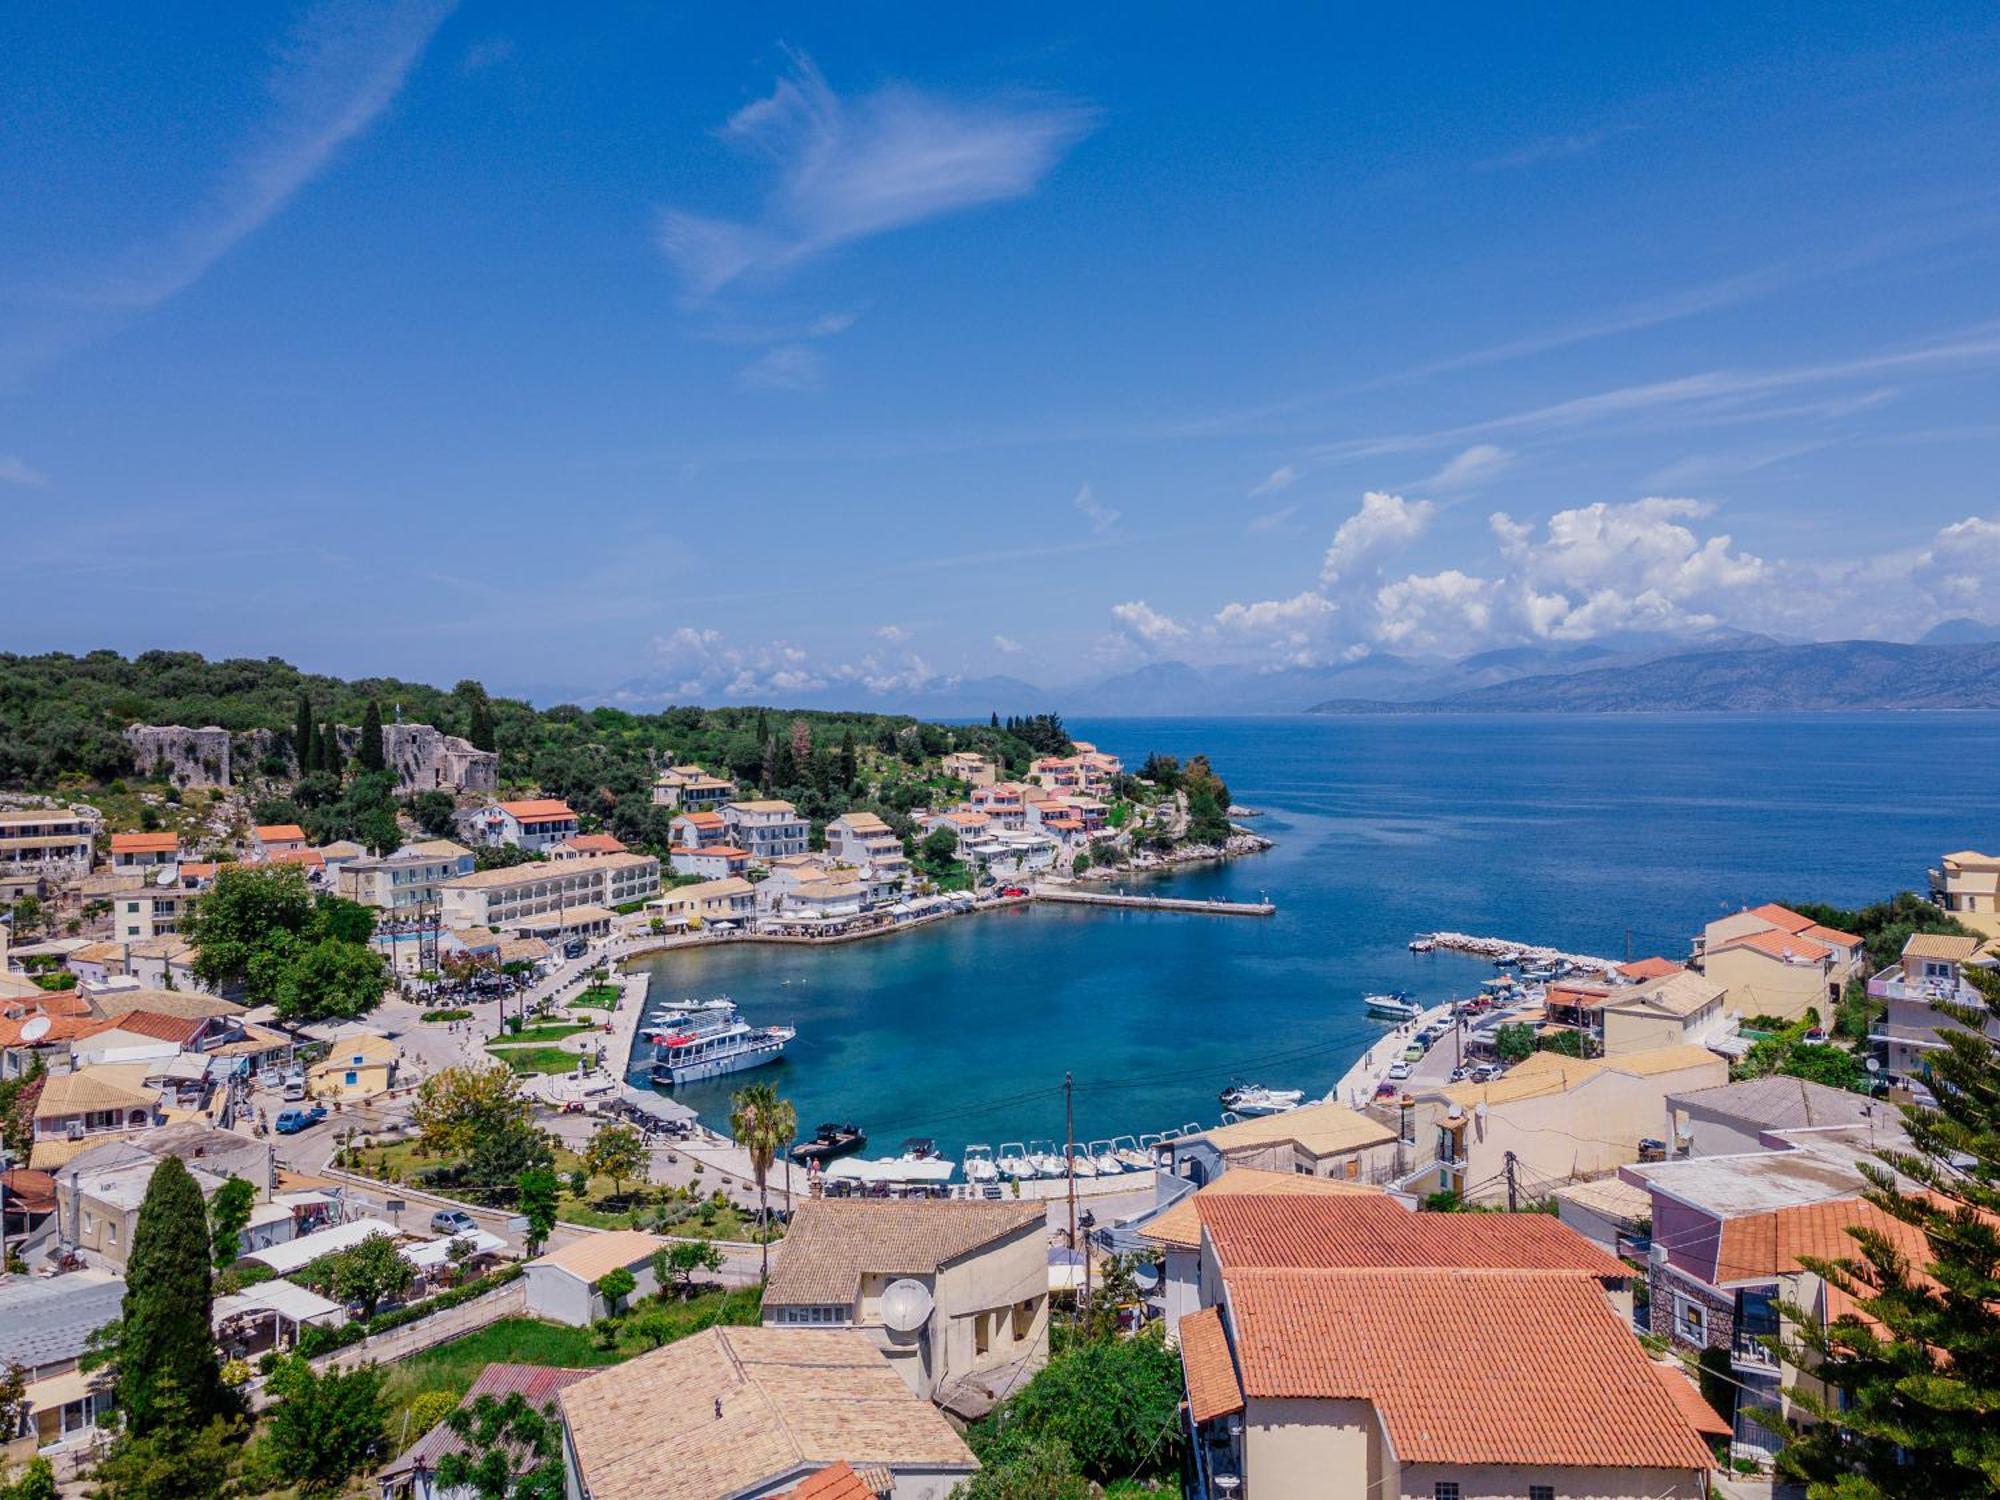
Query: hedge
314, 1340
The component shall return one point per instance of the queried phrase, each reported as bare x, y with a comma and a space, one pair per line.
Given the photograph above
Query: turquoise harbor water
1583, 833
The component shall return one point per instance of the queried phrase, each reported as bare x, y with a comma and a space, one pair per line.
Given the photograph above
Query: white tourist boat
1048, 1161
711, 1051
1393, 1006
1130, 1151
1105, 1159
1245, 1099
1013, 1161
979, 1164
1079, 1162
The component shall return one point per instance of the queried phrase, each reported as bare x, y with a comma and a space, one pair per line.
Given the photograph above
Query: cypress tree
329, 750
167, 1367
304, 740
481, 730
848, 765
371, 754
996, 718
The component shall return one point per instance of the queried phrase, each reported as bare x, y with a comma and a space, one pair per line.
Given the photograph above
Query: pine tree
304, 740
166, 1348
1908, 1405
371, 755
329, 750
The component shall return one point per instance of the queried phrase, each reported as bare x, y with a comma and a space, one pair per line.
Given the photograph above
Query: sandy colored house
1771, 961
1967, 884
562, 1284
753, 1412
98, 1192
1929, 972
92, 1103
1548, 1120
528, 896
983, 1269
358, 1065
731, 900
1318, 1140
1674, 1010
968, 766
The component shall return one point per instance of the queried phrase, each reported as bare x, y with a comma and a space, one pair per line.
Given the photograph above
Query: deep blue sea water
1593, 834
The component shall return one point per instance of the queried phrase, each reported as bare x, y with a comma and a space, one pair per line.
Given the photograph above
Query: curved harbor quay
1213, 908
1493, 947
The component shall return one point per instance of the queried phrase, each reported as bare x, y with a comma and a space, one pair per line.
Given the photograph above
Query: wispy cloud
16, 471
1272, 520
851, 168
1006, 645
789, 367
1553, 148
894, 634
1469, 470
341, 68
1103, 519
1280, 478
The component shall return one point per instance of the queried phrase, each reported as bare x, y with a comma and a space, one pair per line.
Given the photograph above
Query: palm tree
763, 1125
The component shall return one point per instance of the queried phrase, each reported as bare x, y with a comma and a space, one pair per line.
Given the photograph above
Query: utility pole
1513, 1191
1069, 1161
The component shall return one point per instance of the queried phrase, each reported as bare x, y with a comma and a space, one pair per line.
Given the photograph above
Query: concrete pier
1156, 903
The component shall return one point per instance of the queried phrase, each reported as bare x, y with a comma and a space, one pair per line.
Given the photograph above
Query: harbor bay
1602, 835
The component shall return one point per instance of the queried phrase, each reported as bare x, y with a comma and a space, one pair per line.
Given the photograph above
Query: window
1445, 1489
1690, 1320
1541, 1492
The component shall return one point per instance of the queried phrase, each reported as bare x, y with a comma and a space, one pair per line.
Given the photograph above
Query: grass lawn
553, 1031
597, 997
536, 1059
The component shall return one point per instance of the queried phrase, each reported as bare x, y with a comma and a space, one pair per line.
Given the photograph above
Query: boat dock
1492, 947
1156, 903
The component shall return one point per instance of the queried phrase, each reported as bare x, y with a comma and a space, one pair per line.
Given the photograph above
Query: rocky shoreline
1151, 862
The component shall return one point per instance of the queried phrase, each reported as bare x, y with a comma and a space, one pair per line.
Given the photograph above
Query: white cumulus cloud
1147, 624
1006, 645
1383, 524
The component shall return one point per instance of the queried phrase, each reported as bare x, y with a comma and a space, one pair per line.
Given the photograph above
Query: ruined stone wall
427, 759
186, 757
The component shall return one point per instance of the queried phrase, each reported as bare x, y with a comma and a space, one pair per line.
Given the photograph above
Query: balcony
1891, 985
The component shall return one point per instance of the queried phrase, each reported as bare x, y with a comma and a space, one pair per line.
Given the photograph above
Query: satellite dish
35, 1028
165, 877
906, 1304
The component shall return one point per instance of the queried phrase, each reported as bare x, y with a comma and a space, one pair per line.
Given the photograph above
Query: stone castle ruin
423, 758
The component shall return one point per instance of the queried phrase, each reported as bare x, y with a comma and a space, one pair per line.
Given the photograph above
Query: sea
1611, 835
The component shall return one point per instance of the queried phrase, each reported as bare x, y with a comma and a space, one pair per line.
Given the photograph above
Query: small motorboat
828, 1142
1079, 1162
1507, 961
1538, 976
1013, 1161
1423, 944
1246, 1099
1105, 1159
979, 1167
1048, 1161
1129, 1151
1394, 1006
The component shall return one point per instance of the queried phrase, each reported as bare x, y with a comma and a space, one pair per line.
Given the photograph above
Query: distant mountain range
1831, 675
1721, 669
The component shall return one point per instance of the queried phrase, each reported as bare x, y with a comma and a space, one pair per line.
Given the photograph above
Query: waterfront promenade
1205, 906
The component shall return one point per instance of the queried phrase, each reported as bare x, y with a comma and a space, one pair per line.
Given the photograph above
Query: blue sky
750, 351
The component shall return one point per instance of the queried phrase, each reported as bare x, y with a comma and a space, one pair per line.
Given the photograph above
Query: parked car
292, 1121
295, 1086
1399, 1071
453, 1222
1485, 1073
1459, 1075
1414, 1054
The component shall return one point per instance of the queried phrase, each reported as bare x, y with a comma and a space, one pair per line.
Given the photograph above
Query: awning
432, 1254
285, 1298
59, 1390
295, 1255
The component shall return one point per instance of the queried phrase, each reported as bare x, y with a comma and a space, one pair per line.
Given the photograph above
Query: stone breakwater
1492, 947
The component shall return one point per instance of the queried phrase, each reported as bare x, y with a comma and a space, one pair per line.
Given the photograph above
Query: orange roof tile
537, 808
834, 1482
1702, 1417
1757, 1247
144, 843
1649, 968
1466, 1367
702, 819
1211, 1373
1782, 917
1293, 1233
280, 833
1180, 1225
310, 859
1832, 935
1779, 945
597, 843
180, 1030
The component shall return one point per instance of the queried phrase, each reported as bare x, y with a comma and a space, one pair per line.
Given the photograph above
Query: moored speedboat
1079, 1162
1048, 1161
1250, 1099
1422, 944
979, 1165
1013, 1161
1394, 1006
828, 1142
1105, 1159
1129, 1151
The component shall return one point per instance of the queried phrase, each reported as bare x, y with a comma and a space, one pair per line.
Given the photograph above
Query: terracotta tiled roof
1211, 1373
280, 833
730, 1410
1781, 917
1702, 1417
1649, 968
1832, 935
702, 819
144, 843
834, 1482
180, 1030
61, 1029
1779, 945
1940, 945
1293, 1233
1758, 1247
832, 1243
29, 1191
309, 859
1466, 1367
595, 1254
1180, 1225
1322, 1129
537, 808
597, 843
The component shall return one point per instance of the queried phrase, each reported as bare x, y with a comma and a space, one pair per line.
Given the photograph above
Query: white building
769, 829
405, 880
515, 897
45, 839
537, 824
691, 789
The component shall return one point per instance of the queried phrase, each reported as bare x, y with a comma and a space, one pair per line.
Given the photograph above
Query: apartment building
145, 852
406, 881
710, 861
691, 789
863, 840
147, 911
1929, 972
768, 830
46, 839
514, 897
731, 900
537, 825
1967, 884
1004, 802
105, 1100
970, 767
1678, 1009
1771, 961
699, 830
583, 845
983, 1268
